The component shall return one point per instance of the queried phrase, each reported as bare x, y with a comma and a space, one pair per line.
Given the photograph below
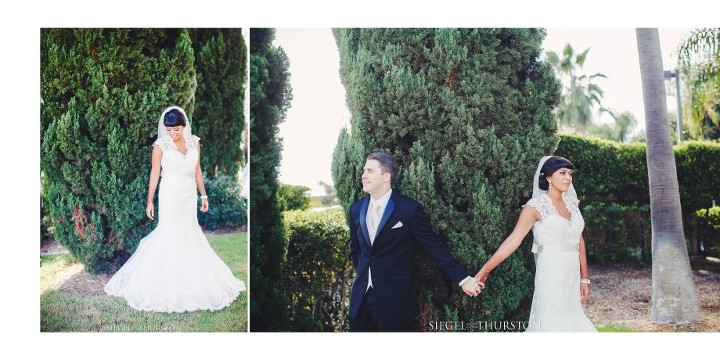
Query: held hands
471, 288
150, 211
204, 206
584, 292
481, 277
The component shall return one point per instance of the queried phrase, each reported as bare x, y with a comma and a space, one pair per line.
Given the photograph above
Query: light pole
676, 74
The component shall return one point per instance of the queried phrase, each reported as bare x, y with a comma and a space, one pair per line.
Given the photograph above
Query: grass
50, 265
74, 312
613, 328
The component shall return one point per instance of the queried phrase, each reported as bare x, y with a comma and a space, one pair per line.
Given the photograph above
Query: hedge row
318, 274
612, 184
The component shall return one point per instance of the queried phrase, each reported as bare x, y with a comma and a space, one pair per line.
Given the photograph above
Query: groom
385, 231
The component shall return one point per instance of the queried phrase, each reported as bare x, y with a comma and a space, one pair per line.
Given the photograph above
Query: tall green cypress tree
102, 93
467, 113
221, 65
270, 96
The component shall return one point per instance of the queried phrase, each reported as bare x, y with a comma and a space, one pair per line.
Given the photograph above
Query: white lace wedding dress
556, 304
174, 269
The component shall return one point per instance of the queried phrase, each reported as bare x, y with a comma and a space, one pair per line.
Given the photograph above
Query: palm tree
620, 131
624, 124
580, 93
674, 299
699, 61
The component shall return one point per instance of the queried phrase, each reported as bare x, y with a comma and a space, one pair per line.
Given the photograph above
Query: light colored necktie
375, 220
375, 216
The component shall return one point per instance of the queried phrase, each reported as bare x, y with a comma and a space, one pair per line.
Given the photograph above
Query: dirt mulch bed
74, 279
621, 295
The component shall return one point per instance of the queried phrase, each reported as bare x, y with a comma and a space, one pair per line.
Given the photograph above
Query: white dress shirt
382, 202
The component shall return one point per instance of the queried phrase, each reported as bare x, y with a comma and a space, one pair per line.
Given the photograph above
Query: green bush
293, 197
227, 208
631, 175
612, 183
318, 274
596, 166
617, 232
709, 224
270, 95
221, 65
45, 222
698, 166
102, 92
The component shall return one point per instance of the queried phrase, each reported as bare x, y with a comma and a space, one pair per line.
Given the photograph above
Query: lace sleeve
573, 203
163, 144
539, 205
192, 142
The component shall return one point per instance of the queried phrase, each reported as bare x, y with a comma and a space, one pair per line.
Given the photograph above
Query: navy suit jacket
392, 256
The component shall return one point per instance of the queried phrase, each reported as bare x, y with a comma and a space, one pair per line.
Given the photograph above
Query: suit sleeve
354, 245
436, 249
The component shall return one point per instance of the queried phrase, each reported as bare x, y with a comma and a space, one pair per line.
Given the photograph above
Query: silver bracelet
203, 197
585, 281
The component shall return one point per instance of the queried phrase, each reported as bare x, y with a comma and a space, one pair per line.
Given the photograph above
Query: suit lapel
389, 208
363, 222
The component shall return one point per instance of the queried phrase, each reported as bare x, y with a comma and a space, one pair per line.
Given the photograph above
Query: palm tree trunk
674, 299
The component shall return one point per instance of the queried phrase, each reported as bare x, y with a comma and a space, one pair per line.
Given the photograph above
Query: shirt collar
382, 201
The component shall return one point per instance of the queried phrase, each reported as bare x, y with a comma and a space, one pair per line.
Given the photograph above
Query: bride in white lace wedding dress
174, 269
559, 247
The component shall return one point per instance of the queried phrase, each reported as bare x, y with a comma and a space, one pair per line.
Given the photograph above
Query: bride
559, 249
174, 269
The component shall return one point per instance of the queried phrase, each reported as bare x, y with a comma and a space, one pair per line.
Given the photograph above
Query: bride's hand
150, 211
481, 277
205, 205
584, 292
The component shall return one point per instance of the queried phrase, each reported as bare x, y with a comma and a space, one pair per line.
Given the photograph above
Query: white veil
161, 126
536, 181
537, 192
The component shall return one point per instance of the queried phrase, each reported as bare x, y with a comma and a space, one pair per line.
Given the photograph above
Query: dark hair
174, 117
553, 164
387, 163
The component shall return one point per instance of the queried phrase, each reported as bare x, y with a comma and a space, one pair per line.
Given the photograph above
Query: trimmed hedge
612, 183
709, 229
318, 274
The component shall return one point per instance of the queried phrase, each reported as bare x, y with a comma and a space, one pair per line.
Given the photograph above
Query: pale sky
318, 111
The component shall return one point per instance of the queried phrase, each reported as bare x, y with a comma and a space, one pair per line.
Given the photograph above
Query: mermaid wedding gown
556, 304
174, 269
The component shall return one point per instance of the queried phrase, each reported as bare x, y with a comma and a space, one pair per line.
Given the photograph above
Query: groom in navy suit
386, 228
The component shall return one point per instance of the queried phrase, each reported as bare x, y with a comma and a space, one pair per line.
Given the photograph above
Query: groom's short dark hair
387, 163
